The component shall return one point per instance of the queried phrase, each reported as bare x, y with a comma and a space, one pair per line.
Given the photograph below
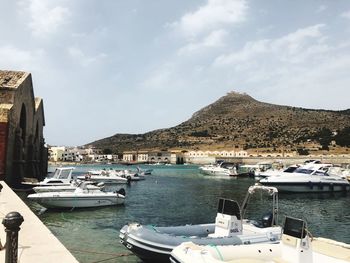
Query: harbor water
177, 195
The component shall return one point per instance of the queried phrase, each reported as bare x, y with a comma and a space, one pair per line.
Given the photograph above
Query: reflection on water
176, 195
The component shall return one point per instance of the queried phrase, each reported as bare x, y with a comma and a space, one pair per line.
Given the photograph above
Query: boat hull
155, 245
319, 250
225, 172
75, 201
307, 187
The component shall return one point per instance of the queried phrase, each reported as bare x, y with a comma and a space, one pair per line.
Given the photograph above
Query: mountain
237, 121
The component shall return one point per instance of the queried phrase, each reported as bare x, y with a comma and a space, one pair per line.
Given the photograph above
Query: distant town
94, 155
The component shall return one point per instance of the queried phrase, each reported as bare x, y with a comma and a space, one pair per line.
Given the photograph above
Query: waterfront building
142, 156
129, 156
100, 158
159, 157
203, 157
72, 155
56, 153
23, 152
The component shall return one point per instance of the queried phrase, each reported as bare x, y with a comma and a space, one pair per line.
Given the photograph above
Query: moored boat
296, 246
106, 178
61, 176
85, 195
312, 178
219, 169
154, 244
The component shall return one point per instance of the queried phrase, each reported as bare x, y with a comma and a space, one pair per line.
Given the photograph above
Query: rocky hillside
237, 120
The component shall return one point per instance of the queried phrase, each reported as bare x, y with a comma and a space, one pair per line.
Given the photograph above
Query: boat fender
129, 179
121, 191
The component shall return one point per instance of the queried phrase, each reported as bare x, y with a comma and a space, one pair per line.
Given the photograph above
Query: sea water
178, 195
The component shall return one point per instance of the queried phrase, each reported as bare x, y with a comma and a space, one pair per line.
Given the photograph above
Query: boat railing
272, 191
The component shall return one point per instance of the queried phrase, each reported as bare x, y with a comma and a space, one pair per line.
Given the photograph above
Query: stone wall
22, 150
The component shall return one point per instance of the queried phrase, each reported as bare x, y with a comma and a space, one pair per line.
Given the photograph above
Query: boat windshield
294, 227
229, 207
62, 174
290, 169
303, 171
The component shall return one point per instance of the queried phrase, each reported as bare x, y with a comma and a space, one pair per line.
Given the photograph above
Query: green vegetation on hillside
239, 121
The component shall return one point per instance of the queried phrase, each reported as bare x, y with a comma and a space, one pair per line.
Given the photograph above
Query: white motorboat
254, 170
131, 175
219, 169
296, 246
109, 177
141, 171
85, 195
128, 174
154, 244
61, 176
308, 178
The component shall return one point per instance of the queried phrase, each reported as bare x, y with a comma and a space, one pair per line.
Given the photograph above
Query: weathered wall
21, 136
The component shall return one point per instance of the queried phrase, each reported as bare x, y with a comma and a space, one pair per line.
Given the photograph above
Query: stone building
22, 145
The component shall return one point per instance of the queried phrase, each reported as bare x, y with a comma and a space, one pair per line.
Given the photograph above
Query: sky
131, 66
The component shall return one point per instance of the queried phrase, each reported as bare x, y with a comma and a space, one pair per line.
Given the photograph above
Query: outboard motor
228, 220
121, 191
266, 219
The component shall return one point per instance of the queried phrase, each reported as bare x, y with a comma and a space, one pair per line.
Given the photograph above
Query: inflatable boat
154, 244
296, 246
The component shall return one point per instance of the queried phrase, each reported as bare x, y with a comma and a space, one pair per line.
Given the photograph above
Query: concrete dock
36, 242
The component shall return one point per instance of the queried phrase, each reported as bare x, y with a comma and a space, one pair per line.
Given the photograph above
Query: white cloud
159, 78
302, 64
346, 14
213, 15
19, 59
79, 56
213, 40
45, 18
321, 8
294, 47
